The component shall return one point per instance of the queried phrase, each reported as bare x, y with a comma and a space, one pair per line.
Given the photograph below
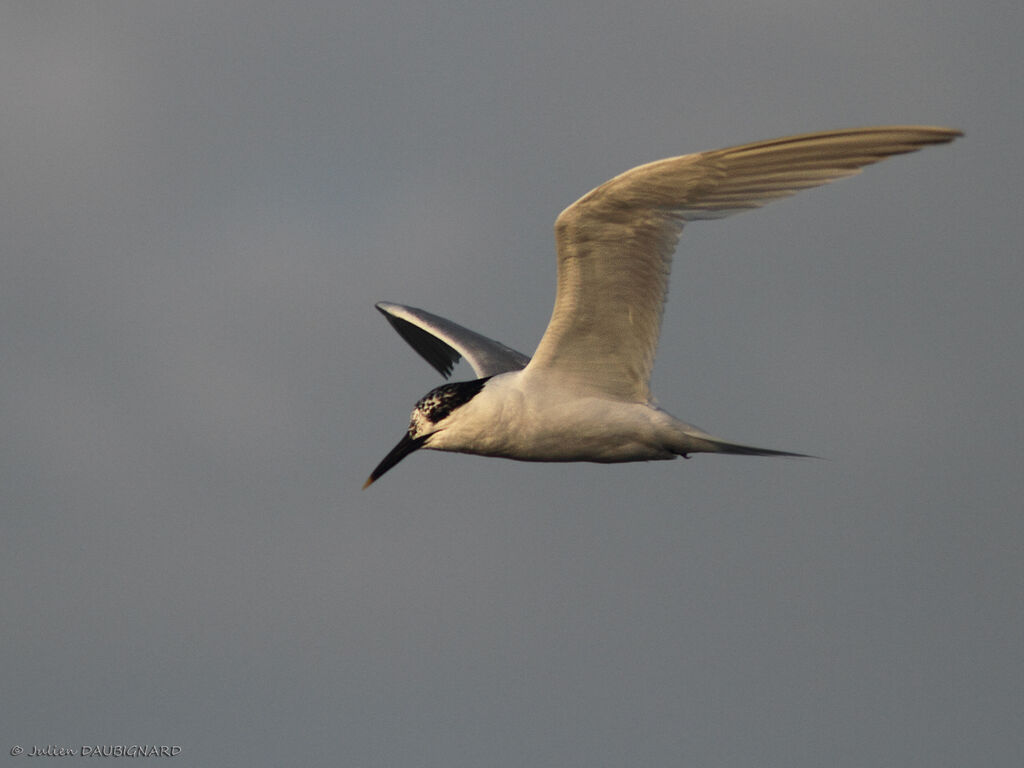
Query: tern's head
428, 418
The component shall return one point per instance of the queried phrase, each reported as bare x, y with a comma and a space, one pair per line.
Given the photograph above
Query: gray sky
199, 203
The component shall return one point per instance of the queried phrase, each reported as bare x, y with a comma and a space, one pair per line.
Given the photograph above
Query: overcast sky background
199, 204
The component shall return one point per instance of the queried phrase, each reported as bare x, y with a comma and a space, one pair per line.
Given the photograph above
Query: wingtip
368, 483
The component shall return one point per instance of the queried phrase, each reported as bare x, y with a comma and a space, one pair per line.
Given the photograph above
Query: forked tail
704, 443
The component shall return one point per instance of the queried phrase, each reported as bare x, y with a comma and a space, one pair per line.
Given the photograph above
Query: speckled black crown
439, 402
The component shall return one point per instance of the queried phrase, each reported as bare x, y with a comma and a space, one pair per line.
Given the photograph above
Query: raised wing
441, 342
615, 243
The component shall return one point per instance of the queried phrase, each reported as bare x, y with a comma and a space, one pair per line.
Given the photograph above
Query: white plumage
585, 396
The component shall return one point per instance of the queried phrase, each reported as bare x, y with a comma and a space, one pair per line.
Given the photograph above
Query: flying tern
585, 396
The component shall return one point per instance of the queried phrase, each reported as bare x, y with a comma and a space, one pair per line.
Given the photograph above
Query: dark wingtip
441, 355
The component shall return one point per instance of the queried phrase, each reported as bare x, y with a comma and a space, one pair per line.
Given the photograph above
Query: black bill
405, 446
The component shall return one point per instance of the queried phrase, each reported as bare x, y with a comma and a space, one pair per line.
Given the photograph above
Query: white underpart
533, 418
